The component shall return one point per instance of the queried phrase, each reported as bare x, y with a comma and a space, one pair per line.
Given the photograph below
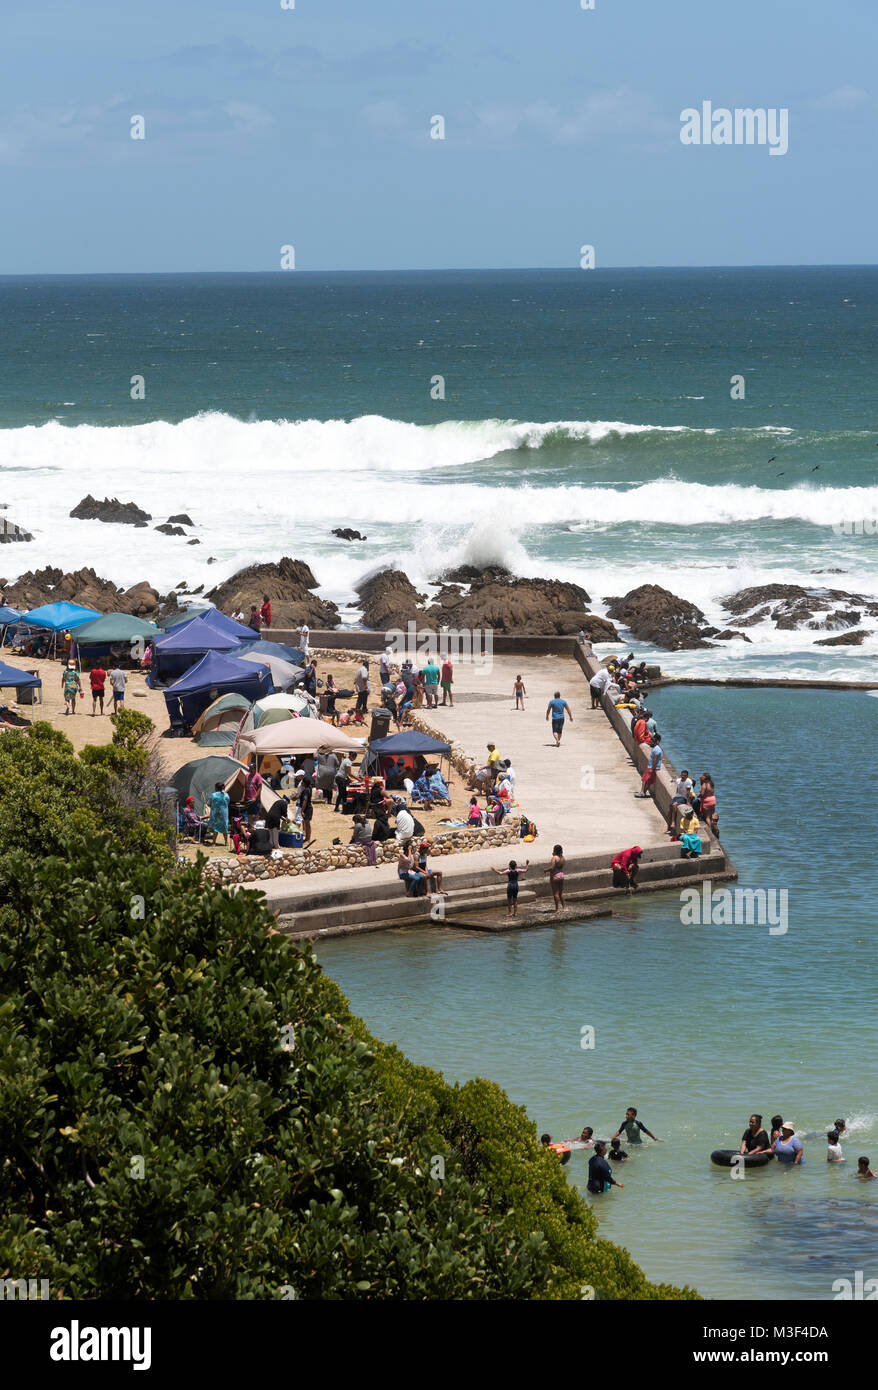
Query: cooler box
291, 840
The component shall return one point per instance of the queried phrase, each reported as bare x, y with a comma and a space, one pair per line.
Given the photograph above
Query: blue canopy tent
174, 654
10, 676
8, 618
58, 617
217, 620
182, 615
409, 748
212, 676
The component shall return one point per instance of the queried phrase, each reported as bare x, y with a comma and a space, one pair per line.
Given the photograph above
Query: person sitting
240, 835
438, 786
626, 867
381, 828
193, 825
408, 873
432, 877
260, 839
405, 822
362, 835
394, 776
421, 790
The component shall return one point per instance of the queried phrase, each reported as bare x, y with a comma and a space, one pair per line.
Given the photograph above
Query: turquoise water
695, 1025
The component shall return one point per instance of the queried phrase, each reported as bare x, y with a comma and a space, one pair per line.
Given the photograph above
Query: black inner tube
723, 1157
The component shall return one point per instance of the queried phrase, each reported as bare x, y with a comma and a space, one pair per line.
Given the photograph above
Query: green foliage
188, 1109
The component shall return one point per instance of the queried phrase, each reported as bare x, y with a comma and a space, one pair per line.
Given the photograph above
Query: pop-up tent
408, 747
59, 617
114, 627
294, 736
19, 680
182, 615
217, 726
221, 623
182, 647
283, 675
8, 618
294, 655
212, 676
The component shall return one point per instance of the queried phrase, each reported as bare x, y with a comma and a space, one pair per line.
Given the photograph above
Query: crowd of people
784, 1144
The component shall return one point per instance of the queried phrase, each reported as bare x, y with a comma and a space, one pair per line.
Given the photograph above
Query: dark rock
654, 614
759, 616
345, 533
198, 590
168, 530
83, 586
836, 570
795, 606
287, 583
111, 510
728, 635
211, 559
549, 607
181, 520
833, 621
390, 600
470, 574
598, 629
194, 541
844, 639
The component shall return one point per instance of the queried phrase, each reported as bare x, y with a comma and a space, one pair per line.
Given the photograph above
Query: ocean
569, 424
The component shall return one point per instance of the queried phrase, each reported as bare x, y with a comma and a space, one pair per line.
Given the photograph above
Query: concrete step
398, 906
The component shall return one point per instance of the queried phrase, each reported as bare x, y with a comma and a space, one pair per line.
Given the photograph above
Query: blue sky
310, 127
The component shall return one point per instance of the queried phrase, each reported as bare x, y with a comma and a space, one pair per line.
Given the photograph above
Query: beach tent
295, 736
294, 655
217, 620
181, 648
20, 680
58, 617
271, 709
283, 675
198, 779
212, 676
412, 747
183, 615
218, 725
112, 628
12, 615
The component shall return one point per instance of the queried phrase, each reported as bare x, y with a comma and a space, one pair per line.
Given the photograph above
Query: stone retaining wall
247, 868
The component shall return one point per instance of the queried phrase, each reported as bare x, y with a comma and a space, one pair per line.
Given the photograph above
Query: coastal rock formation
168, 530
50, 585
492, 598
729, 636
791, 606
111, 509
181, 520
390, 600
345, 533
845, 639
287, 583
654, 614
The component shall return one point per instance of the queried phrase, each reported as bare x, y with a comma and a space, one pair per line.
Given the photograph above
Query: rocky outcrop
654, 614
844, 639
390, 600
492, 598
111, 510
288, 584
790, 607
345, 533
168, 530
729, 636
50, 585
181, 520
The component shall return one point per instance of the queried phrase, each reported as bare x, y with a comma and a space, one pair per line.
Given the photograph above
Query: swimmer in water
633, 1128
864, 1172
833, 1147
616, 1150
600, 1174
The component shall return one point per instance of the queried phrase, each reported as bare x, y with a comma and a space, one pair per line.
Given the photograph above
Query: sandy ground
84, 728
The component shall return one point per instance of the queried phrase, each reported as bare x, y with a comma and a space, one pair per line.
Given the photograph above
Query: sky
309, 127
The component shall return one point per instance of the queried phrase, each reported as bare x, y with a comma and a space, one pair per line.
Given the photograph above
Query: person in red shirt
446, 681
255, 620
98, 679
625, 867
265, 610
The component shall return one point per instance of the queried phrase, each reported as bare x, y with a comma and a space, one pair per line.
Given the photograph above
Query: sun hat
786, 1125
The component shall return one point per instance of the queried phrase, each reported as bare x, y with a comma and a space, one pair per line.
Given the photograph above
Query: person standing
558, 709
600, 1174
254, 621
598, 684
556, 877
98, 679
788, 1148
447, 681
252, 790
431, 674
652, 769
513, 873
265, 610
304, 809
304, 638
519, 692
71, 687
343, 780
633, 1128
118, 681
362, 686
384, 668
219, 813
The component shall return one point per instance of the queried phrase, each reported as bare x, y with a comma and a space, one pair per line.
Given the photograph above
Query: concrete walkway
580, 795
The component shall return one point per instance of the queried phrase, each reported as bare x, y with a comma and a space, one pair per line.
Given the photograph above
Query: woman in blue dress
219, 814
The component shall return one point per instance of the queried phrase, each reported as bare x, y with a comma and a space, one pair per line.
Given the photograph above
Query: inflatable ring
562, 1150
723, 1158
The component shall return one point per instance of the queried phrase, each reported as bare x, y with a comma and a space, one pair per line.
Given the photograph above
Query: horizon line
442, 270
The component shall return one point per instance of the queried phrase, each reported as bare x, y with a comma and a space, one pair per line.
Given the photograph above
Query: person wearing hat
788, 1147
405, 822
71, 687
